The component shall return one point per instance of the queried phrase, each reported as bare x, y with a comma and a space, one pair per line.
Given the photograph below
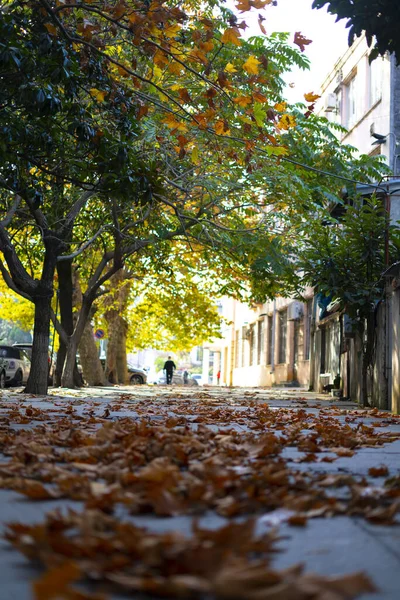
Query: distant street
191, 461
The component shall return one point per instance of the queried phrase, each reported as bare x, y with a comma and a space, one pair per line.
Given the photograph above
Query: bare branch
57, 326
8, 218
7, 278
84, 245
74, 212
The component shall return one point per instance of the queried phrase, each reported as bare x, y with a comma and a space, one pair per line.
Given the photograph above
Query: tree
125, 126
380, 20
344, 260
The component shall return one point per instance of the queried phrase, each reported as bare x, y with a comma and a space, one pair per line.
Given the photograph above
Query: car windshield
27, 349
9, 352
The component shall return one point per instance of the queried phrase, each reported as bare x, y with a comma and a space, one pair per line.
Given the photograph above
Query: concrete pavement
329, 546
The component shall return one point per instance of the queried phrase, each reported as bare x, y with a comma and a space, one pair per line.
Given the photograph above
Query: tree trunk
367, 357
64, 271
116, 367
66, 294
121, 360
38, 377
93, 371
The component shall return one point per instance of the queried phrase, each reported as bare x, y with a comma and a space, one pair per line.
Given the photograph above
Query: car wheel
18, 379
136, 379
2, 380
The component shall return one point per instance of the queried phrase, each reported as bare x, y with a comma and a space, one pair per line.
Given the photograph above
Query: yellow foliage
280, 106
15, 308
251, 65
99, 95
172, 123
287, 122
230, 68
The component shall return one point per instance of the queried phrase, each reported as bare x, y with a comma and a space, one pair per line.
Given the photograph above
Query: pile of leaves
230, 562
187, 455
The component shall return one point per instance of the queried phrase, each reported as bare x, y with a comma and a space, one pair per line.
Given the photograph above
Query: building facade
309, 344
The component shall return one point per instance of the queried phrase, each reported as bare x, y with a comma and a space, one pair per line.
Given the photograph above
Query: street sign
99, 334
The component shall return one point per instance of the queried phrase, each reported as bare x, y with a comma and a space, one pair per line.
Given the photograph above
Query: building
365, 99
263, 345
285, 342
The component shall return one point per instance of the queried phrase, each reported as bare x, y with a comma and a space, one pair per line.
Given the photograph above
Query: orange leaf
51, 28
54, 582
221, 128
311, 97
231, 35
381, 471
243, 100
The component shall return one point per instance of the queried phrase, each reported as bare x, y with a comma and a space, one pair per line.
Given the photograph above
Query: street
316, 481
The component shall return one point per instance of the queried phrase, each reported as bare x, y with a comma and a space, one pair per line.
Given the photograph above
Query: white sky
329, 39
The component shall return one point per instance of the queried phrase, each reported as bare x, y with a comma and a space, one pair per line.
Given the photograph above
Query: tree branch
7, 278
8, 218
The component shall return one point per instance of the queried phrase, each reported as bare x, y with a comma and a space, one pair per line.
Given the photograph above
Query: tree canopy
380, 20
126, 125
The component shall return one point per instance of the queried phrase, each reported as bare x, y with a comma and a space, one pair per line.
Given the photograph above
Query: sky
329, 40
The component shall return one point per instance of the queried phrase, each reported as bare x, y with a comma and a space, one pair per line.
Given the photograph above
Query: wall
242, 333
372, 108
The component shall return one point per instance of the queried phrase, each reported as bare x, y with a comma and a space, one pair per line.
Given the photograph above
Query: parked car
18, 365
137, 375
3, 368
198, 378
28, 349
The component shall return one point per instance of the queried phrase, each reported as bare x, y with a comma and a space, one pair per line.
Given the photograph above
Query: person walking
169, 367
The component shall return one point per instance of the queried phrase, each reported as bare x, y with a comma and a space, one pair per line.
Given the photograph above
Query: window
244, 331
253, 342
260, 342
237, 347
282, 334
307, 326
269, 340
375, 72
351, 103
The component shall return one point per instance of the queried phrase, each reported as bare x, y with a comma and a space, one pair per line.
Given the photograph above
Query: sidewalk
303, 456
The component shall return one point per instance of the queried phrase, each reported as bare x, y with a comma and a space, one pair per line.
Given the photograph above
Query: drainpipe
312, 343
273, 338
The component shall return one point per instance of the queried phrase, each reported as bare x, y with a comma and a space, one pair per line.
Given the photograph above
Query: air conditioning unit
330, 102
295, 311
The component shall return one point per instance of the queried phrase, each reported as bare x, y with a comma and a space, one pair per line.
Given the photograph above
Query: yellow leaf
311, 97
98, 94
280, 106
230, 68
51, 28
195, 155
172, 123
172, 30
287, 122
231, 35
251, 65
